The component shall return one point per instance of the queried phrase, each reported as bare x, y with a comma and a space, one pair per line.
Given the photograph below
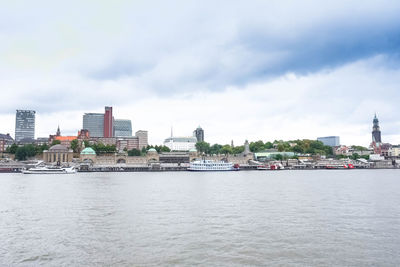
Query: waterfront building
395, 151
88, 155
24, 125
58, 153
332, 141
199, 134
122, 128
108, 123
271, 153
5, 141
180, 143
94, 123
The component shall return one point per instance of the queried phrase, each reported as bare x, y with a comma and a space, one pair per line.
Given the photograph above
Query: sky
256, 70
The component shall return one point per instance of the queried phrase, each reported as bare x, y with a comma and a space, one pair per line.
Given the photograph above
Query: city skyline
269, 70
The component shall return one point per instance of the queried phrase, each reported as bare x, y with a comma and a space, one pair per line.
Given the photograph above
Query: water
298, 218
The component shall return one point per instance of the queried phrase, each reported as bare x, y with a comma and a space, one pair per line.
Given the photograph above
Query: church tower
376, 132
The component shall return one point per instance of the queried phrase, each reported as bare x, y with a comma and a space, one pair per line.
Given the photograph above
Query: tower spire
58, 133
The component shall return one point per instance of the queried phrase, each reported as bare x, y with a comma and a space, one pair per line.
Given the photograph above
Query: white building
181, 143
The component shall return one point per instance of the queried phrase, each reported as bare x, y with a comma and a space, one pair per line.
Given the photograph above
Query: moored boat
210, 165
47, 170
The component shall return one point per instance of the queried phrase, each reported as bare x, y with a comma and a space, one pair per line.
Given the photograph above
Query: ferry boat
210, 165
47, 170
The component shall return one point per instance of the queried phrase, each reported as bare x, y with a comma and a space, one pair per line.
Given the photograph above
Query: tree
256, 146
215, 149
75, 145
226, 149
134, 152
237, 150
165, 149
12, 149
203, 147
55, 142
20, 154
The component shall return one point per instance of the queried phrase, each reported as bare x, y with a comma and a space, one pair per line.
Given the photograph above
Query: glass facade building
122, 128
330, 140
25, 125
94, 122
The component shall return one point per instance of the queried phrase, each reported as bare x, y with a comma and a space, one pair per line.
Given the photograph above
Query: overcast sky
241, 69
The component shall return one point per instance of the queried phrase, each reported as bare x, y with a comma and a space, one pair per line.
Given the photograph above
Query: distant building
330, 140
143, 138
94, 123
376, 131
64, 140
181, 143
58, 153
199, 134
25, 125
138, 141
5, 141
83, 134
122, 128
108, 123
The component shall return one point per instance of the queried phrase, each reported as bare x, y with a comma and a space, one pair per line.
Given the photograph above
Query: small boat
210, 165
271, 167
49, 170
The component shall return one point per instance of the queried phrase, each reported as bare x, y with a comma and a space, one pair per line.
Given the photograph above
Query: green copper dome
88, 151
152, 150
193, 150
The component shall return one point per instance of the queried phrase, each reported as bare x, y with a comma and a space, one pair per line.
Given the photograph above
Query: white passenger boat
48, 170
210, 165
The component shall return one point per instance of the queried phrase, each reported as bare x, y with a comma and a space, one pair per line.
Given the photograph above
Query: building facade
199, 134
5, 141
58, 153
181, 143
122, 128
143, 138
330, 140
108, 123
25, 125
94, 123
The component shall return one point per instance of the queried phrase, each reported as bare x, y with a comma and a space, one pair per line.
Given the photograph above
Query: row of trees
204, 147
26, 151
298, 146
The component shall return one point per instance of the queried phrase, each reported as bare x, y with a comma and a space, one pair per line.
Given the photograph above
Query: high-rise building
122, 128
108, 123
330, 140
25, 125
143, 138
376, 131
199, 134
94, 123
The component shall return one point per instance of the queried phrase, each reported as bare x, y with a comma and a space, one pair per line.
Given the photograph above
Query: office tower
94, 123
108, 122
330, 140
25, 125
199, 134
122, 128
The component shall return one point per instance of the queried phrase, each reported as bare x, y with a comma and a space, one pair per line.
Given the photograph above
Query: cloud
284, 64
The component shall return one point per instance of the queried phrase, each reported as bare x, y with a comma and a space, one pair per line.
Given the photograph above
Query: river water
256, 218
